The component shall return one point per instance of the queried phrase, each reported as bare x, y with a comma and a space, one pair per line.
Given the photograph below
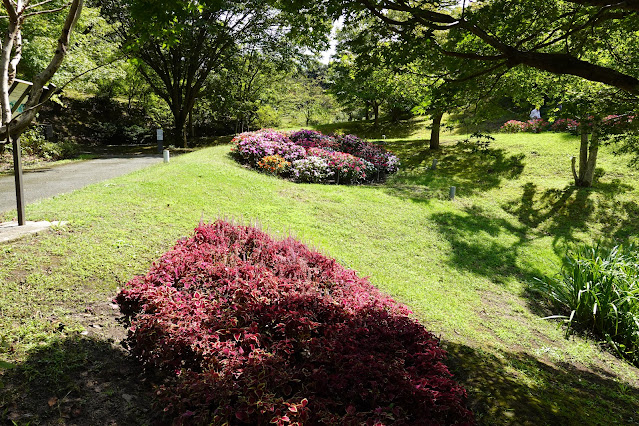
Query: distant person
535, 114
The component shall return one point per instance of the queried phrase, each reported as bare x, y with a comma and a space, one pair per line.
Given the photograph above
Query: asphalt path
46, 183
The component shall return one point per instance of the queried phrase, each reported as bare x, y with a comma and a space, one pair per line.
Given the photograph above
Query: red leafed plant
250, 330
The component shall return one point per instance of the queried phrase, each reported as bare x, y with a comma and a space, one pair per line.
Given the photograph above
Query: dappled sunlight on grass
471, 172
514, 387
561, 212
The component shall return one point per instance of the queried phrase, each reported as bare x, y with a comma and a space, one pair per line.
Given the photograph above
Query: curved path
47, 183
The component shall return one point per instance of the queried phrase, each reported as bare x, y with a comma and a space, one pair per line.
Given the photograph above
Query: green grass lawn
462, 266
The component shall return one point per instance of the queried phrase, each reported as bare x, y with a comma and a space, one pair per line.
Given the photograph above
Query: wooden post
17, 171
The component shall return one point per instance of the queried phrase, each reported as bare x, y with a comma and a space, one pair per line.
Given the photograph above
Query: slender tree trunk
191, 132
367, 115
588, 151
593, 151
376, 112
434, 132
583, 155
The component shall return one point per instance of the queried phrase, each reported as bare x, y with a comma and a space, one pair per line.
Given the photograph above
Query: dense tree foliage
177, 46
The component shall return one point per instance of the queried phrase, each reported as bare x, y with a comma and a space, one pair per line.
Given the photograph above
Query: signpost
18, 93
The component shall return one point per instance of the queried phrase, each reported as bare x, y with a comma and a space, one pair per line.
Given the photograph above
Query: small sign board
18, 94
160, 133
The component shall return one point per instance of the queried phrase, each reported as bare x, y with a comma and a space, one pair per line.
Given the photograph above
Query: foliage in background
261, 331
600, 288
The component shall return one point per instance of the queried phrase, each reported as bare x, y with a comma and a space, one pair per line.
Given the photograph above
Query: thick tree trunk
434, 131
180, 129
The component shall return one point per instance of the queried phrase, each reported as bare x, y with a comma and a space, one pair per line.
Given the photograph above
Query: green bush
600, 289
33, 143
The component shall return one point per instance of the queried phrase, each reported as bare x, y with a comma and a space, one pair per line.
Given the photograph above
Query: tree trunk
593, 151
180, 128
588, 152
367, 115
434, 132
376, 112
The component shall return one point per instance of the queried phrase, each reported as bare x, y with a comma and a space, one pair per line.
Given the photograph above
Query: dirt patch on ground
82, 379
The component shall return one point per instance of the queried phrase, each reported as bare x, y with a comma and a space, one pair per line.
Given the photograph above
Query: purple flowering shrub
249, 330
314, 139
351, 160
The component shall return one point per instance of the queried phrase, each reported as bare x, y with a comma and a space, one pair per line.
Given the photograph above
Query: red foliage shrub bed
255, 331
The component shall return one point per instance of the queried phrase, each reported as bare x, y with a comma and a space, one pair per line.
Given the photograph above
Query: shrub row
599, 289
609, 124
250, 330
310, 156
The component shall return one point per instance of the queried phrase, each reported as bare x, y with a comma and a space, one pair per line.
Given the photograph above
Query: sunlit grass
463, 266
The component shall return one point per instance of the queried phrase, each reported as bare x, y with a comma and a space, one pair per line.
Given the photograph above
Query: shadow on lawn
517, 388
76, 380
561, 212
485, 245
471, 172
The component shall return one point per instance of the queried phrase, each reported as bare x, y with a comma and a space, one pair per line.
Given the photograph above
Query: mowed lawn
463, 266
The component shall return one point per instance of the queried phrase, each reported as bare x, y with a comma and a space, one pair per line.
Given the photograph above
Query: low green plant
600, 288
34, 143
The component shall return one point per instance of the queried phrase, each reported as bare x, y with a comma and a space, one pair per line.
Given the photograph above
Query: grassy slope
462, 266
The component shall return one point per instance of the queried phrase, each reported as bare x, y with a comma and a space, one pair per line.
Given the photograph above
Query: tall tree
178, 44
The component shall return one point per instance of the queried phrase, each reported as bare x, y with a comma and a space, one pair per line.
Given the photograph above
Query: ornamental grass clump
599, 289
249, 330
350, 160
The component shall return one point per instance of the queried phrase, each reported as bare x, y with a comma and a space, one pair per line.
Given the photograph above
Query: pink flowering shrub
612, 124
531, 126
248, 330
351, 160
513, 126
250, 148
564, 125
345, 168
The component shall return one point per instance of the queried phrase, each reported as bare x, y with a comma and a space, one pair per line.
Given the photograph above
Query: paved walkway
46, 183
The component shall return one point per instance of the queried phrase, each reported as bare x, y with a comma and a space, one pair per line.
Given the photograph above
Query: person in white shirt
535, 114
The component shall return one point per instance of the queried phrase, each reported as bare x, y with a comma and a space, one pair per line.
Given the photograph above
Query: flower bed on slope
310, 156
250, 330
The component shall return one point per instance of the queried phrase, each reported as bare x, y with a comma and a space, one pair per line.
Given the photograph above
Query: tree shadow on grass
76, 380
507, 388
457, 165
485, 245
562, 212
